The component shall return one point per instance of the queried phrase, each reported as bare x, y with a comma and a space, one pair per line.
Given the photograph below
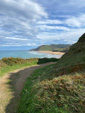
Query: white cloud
9, 45
73, 21
26, 8
13, 38
47, 27
12, 44
78, 21
50, 22
68, 36
25, 22
31, 44
19, 18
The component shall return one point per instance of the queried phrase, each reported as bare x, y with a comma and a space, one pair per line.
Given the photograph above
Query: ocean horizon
25, 54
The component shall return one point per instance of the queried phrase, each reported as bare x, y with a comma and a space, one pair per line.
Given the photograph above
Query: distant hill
53, 47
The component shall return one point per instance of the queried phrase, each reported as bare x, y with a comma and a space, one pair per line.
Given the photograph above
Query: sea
25, 54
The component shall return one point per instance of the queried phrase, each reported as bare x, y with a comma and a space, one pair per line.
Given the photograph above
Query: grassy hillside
53, 47
57, 88
76, 54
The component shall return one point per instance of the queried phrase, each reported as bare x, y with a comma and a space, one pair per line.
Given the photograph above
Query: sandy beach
50, 52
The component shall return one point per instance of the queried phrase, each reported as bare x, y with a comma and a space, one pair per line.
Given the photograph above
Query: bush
60, 95
12, 61
65, 92
71, 69
45, 60
2, 64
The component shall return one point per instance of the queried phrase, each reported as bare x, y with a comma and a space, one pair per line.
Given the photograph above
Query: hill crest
76, 53
53, 47
82, 38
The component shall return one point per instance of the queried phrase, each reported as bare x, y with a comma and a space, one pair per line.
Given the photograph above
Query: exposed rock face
82, 38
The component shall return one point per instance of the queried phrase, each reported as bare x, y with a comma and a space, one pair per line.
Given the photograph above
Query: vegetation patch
45, 60
71, 69
46, 91
59, 95
13, 61
2, 64
10, 64
63, 94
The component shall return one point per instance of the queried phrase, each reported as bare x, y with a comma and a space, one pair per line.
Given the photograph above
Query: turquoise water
26, 54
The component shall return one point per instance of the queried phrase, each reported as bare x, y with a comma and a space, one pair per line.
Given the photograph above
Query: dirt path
11, 86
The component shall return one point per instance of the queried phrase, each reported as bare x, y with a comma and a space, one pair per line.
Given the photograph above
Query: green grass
57, 88
45, 94
6, 69
11, 64
46, 91
76, 55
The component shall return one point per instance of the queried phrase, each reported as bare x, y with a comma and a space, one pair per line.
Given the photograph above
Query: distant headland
53, 49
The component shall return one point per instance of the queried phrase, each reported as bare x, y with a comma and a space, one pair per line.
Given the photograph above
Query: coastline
50, 52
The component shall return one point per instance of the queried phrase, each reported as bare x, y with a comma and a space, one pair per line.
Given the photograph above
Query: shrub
64, 92
45, 60
12, 61
2, 64
71, 69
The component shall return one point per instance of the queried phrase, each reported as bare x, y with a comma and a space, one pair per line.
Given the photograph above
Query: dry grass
5, 93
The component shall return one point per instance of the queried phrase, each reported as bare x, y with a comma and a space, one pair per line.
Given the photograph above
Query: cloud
36, 22
63, 7
31, 44
49, 22
18, 18
26, 9
69, 29
78, 21
47, 27
13, 38
12, 44
65, 36
72, 21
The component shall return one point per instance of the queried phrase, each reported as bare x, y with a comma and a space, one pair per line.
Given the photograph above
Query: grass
76, 55
57, 88
45, 94
7, 69
9, 93
11, 64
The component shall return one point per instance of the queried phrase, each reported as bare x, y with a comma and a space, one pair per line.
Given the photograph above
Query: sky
26, 24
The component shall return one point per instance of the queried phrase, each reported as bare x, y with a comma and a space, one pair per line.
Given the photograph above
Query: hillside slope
46, 91
76, 54
53, 47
